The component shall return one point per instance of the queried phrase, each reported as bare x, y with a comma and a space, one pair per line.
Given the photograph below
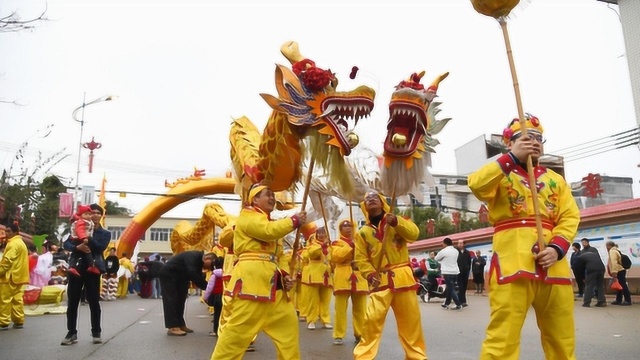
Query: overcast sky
183, 69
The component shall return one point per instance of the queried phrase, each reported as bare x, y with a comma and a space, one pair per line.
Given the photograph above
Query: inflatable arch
158, 207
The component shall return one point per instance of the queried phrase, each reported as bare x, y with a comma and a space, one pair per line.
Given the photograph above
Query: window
116, 231
159, 234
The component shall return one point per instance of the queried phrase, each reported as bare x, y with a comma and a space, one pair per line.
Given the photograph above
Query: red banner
66, 205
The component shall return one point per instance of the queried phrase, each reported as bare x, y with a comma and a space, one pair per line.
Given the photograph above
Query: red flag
65, 208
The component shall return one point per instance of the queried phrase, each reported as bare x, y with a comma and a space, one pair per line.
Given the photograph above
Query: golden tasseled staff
500, 10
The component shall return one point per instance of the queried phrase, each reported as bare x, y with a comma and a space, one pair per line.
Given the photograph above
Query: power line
597, 142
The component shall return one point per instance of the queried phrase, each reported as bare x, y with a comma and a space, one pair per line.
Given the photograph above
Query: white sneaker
327, 326
311, 326
337, 341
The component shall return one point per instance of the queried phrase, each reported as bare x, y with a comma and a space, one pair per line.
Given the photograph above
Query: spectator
448, 259
110, 278
14, 272
579, 276
213, 293
477, 269
464, 265
175, 277
87, 280
618, 273
590, 264
586, 246
41, 275
81, 230
433, 271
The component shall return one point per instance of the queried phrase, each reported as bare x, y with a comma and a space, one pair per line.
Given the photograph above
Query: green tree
28, 198
113, 208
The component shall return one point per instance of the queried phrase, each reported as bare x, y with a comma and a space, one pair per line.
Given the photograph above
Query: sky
181, 70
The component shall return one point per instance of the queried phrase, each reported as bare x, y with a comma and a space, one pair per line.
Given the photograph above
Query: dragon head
412, 122
308, 96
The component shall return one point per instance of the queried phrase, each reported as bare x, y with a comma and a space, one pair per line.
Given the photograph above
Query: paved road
133, 329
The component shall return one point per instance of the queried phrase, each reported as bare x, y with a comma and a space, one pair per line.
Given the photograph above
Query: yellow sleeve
485, 182
258, 226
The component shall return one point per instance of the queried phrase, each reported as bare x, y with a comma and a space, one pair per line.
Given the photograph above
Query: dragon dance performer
520, 274
257, 285
317, 281
393, 284
347, 282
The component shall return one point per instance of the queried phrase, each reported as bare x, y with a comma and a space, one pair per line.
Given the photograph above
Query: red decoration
591, 184
354, 71
431, 227
455, 216
314, 78
91, 146
483, 214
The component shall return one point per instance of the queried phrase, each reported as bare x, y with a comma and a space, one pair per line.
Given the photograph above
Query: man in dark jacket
464, 264
175, 276
590, 264
90, 282
574, 267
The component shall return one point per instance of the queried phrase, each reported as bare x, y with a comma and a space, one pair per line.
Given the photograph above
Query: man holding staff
383, 258
256, 290
521, 274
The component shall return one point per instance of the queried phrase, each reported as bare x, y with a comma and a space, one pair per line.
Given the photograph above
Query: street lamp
81, 121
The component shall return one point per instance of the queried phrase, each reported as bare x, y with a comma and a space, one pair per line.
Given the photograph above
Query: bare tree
13, 22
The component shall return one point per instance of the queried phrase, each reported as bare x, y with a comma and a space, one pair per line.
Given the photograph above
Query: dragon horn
291, 52
434, 85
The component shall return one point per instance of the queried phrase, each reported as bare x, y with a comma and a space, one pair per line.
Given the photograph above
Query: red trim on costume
494, 269
507, 163
522, 222
561, 242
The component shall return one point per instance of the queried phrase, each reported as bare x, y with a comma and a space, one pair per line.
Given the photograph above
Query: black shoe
70, 339
444, 306
465, 304
96, 339
601, 304
458, 307
615, 303
626, 303
586, 305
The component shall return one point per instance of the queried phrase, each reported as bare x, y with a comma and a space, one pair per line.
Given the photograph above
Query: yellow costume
317, 282
397, 287
516, 281
255, 289
123, 282
14, 272
347, 282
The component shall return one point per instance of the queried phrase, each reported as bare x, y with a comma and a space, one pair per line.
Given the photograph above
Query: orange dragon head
409, 141
308, 96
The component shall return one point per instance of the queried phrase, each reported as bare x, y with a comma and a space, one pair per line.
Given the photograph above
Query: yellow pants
358, 308
276, 319
509, 303
407, 312
11, 304
319, 300
123, 287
